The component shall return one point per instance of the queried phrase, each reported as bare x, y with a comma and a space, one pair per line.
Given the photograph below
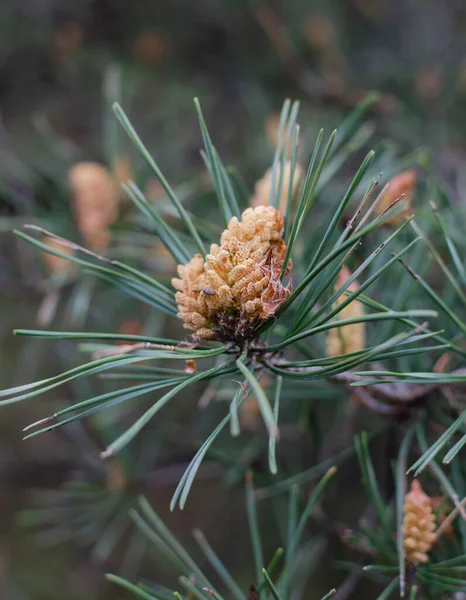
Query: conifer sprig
290, 321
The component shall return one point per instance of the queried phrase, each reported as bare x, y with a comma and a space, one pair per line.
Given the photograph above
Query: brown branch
386, 398
368, 401
69, 244
396, 391
451, 517
128, 348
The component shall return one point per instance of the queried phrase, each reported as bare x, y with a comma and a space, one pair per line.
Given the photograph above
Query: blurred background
62, 65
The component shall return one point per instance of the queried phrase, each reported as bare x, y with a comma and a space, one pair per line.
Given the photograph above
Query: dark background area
61, 65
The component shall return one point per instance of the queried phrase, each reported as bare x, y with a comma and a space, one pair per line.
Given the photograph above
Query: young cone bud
263, 186
418, 524
349, 338
237, 287
404, 185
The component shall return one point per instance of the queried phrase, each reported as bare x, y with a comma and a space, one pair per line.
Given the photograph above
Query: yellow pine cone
418, 524
349, 338
264, 185
95, 202
402, 184
237, 287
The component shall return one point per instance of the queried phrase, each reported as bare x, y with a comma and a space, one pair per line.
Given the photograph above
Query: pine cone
349, 338
418, 524
238, 286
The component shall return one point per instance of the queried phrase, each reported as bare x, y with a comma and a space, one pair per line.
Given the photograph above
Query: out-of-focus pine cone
319, 33
238, 286
149, 48
154, 190
403, 184
349, 338
272, 128
130, 327
122, 175
418, 524
264, 185
116, 477
95, 202
272, 132
68, 39
56, 265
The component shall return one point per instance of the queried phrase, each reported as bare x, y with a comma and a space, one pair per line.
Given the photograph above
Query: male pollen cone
418, 524
403, 185
95, 202
348, 338
238, 287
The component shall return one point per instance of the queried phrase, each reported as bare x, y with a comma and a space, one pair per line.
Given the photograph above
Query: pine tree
303, 306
